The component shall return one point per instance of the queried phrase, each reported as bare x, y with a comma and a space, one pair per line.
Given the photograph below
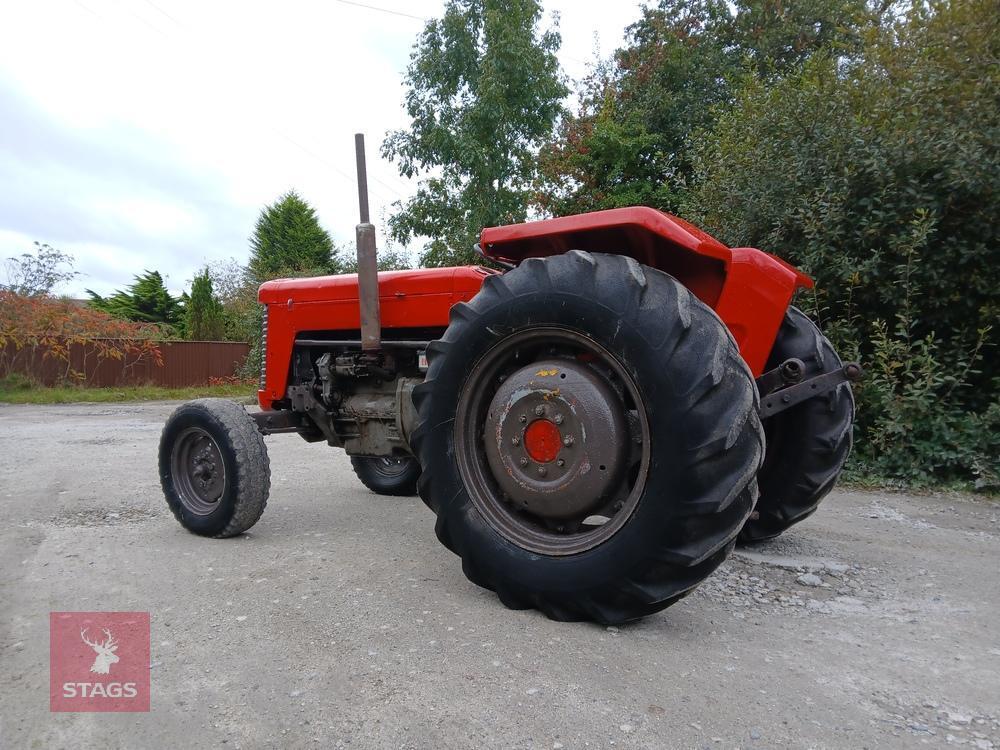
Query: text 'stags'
99, 661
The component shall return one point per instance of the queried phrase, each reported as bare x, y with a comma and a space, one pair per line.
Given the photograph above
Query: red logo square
99, 661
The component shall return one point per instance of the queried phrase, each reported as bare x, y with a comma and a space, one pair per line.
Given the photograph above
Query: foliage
880, 176
77, 339
288, 236
629, 142
38, 274
146, 300
917, 428
237, 294
203, 315
483, 91
389, 259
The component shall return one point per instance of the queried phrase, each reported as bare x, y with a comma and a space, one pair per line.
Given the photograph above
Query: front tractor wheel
387, 475
214, 467
589, 438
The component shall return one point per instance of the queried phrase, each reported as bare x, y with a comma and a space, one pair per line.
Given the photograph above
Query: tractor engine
352, 403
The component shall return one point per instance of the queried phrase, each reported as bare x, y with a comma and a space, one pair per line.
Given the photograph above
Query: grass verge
16, 390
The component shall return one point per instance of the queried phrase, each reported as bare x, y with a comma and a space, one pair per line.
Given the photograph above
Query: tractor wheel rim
533, 387
199, 471
390, 467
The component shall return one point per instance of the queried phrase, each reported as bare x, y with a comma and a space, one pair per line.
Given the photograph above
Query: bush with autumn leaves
69, 340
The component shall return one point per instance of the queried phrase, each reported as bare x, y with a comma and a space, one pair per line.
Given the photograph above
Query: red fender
748, 289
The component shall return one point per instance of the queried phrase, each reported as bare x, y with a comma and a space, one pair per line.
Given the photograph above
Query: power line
336, 169
88, 9
153, 5
382, 10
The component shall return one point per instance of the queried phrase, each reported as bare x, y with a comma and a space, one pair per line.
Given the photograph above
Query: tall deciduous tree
630, 142
288, 238
203, 315
483, 92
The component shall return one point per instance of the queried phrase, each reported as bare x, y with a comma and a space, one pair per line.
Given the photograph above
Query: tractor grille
263, 350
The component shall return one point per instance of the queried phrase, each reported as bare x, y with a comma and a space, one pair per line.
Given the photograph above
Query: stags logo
106, 655
110, 673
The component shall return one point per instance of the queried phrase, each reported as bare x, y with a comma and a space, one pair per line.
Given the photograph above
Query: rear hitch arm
783, 387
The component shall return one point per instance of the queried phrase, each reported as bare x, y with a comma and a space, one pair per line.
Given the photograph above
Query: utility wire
339, 171
164, 13
382, 10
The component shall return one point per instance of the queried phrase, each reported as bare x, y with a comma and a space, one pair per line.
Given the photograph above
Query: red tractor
595, 426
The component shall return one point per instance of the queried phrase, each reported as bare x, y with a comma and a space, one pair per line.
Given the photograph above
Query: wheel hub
199, 471
555, 438
542, 441
208, 482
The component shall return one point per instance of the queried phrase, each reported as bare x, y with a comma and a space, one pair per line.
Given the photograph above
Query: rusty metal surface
359, 154
786, 398
185, 363
199, 472
371, 323
589, 425
564, 519
371, 319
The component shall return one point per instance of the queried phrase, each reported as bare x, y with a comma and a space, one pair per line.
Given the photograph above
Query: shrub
880, 177
35, 329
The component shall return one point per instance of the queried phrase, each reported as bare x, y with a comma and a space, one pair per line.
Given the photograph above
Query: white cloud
149, 134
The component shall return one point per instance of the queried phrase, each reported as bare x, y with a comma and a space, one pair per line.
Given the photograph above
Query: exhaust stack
371, 323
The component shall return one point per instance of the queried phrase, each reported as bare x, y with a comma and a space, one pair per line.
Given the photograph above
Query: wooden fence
183, 363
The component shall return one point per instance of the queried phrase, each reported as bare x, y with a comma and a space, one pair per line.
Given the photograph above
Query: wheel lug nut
523, 419
523, 461
541, 471
568, 440
560, 463
539, 410
515, 440
558, 419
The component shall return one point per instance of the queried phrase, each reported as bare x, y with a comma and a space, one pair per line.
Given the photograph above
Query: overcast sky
142, 134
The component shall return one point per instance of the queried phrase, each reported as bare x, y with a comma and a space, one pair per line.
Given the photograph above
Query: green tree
38, 274
483, 92
630, 141
146, 300
288, 237
203, 314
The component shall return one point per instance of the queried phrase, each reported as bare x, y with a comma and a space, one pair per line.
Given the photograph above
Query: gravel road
339, 621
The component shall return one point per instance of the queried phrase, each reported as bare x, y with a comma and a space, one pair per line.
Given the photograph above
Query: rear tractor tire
589, 438
214, 467
808, 444
388, 475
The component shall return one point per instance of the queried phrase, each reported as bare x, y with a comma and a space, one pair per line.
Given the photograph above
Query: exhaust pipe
371, 319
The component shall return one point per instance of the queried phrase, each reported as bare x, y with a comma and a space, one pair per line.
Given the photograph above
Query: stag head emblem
106, 655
